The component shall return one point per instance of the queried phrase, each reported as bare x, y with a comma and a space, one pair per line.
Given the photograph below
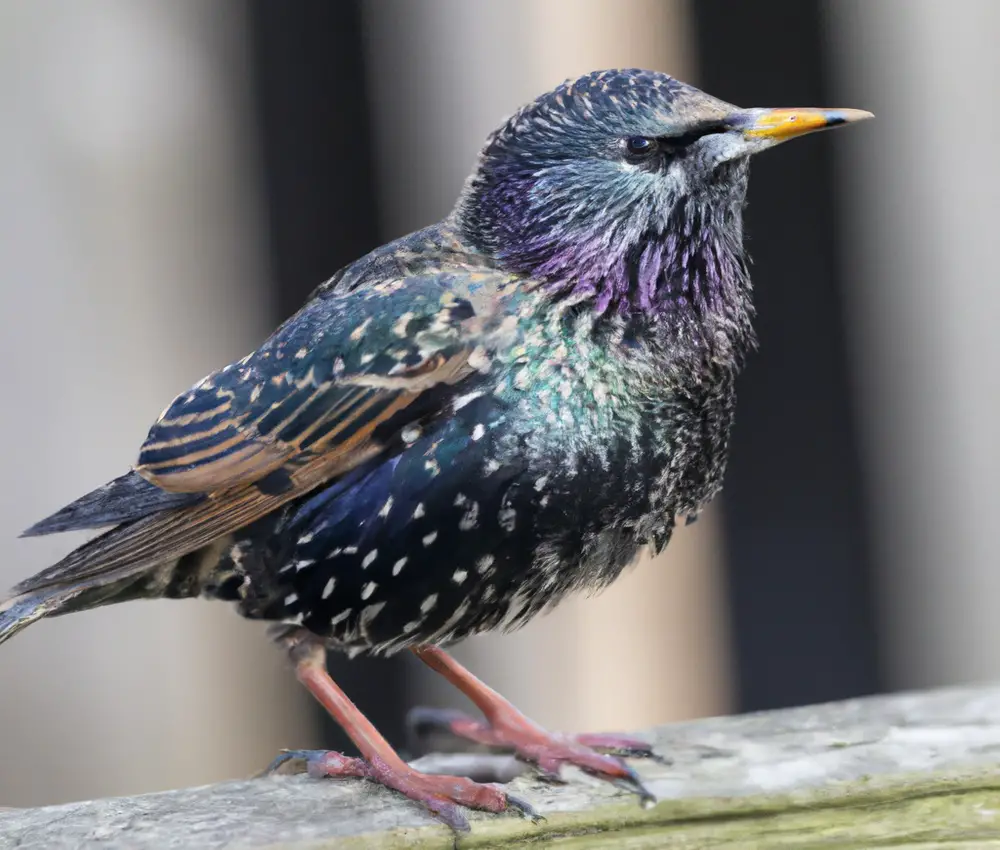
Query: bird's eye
638, 147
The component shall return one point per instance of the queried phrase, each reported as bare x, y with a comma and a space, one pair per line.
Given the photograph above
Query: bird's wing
316, 389
334, 387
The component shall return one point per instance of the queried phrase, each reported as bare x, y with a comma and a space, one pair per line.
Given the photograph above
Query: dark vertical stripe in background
311, 103
797, 546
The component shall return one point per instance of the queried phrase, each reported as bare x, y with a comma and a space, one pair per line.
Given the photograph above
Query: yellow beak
779, 125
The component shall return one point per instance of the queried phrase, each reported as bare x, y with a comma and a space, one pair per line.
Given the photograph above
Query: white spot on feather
397, 568
459, 576
463, 400
369, 559
368, 590
399, 329
329, 588
361, 329
428, 603
418, 511
429, 538
470, 519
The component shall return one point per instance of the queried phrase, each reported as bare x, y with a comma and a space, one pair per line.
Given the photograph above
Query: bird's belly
459, 560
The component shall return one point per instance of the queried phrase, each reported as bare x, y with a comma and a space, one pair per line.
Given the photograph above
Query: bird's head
627, 187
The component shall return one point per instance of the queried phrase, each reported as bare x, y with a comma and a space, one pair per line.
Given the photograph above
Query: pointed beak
763, 128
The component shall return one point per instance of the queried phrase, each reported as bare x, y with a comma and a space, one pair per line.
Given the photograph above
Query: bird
467, 424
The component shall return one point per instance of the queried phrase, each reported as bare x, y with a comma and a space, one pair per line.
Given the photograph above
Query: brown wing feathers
307, 404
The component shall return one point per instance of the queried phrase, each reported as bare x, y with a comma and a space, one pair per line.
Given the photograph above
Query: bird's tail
22, 609
116, 566
20, 612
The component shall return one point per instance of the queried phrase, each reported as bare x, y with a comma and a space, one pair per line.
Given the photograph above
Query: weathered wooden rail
915, 770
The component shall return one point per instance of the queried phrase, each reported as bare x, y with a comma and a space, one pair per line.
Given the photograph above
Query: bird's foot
548, 751
442, 795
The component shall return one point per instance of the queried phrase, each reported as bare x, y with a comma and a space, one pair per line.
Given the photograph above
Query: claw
319, 763
524, 808
548, 771
620, 745
634, 784
283, 758
449, 813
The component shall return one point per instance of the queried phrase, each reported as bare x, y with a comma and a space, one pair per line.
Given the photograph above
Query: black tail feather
127, 498
22, 610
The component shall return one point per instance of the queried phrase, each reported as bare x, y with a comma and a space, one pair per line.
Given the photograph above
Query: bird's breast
620, 438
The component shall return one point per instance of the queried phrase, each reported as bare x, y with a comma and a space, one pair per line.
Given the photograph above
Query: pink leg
505, 726
443, 795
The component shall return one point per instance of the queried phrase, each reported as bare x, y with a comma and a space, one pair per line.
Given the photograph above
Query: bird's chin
711, 176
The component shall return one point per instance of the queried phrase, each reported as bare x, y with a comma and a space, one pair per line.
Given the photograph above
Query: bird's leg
380, 763
507, 727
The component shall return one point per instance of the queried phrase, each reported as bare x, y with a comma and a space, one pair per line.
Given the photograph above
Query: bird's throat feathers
676, 262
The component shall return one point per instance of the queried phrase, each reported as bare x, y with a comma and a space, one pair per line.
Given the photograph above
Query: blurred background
175, 177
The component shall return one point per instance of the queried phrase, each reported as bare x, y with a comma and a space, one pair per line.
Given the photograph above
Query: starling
465, 425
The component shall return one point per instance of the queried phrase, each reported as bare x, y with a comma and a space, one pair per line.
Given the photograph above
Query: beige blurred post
130, 266
653, 647
921, 201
